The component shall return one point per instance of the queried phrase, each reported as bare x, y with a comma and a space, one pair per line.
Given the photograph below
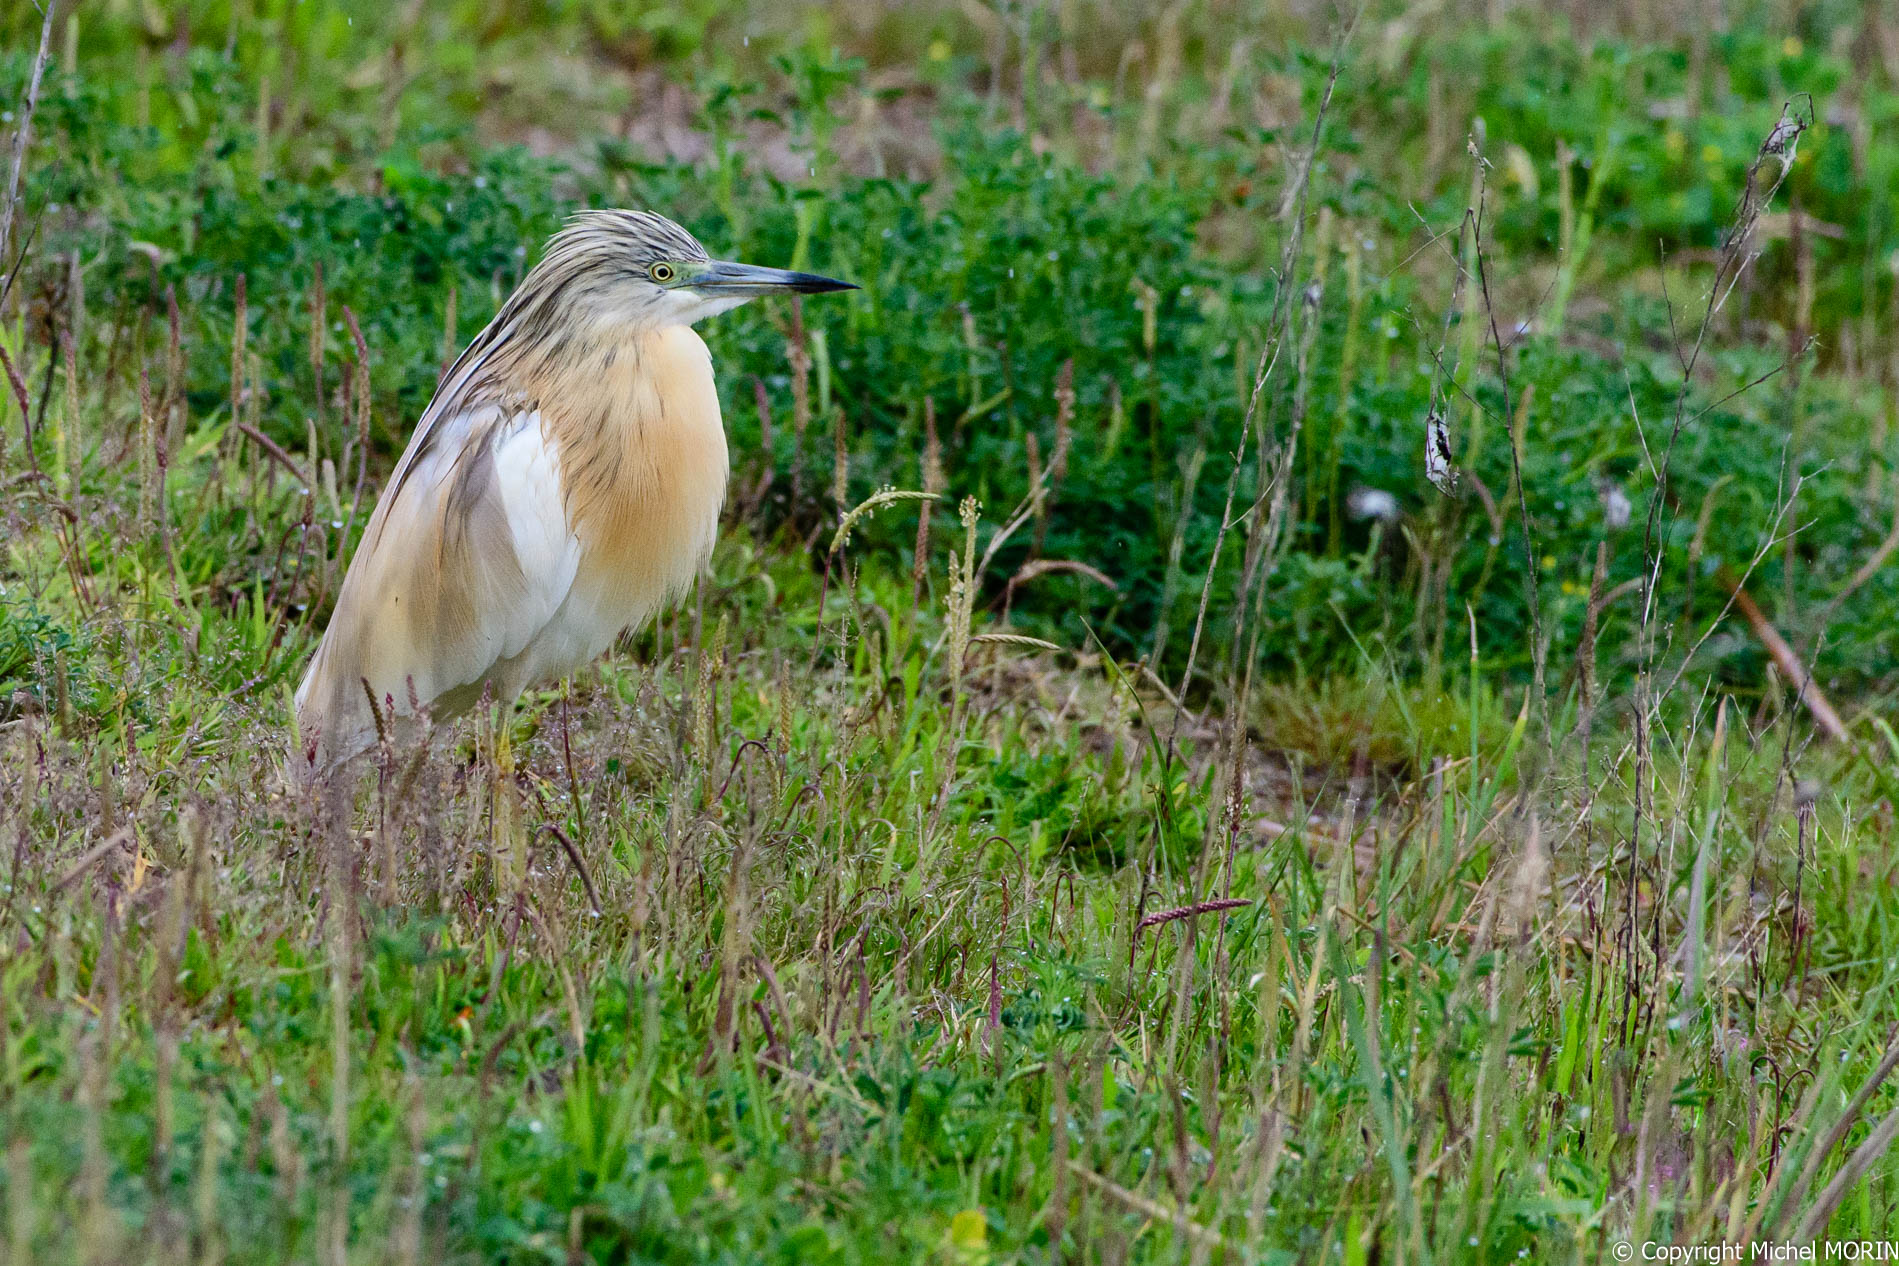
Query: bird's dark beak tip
812, 284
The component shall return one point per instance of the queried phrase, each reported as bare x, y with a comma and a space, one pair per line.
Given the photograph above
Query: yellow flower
939, 50
969, 1238
1710, 154
1791, 46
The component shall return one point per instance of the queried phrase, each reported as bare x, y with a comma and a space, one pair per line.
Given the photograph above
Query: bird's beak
722, 279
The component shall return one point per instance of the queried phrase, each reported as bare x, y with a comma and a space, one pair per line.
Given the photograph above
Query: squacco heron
563, 485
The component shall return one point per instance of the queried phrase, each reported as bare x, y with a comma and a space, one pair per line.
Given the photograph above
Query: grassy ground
1193, 836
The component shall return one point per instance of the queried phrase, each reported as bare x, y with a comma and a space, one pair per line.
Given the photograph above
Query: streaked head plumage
640, 268
633, 240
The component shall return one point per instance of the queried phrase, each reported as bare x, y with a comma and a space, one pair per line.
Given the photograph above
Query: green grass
839, 918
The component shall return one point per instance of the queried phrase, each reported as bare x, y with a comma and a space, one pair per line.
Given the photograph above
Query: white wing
467, 558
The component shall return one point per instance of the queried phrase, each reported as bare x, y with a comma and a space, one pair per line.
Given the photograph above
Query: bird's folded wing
467, 557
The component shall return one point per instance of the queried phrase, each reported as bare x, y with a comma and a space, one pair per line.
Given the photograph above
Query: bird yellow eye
661, 272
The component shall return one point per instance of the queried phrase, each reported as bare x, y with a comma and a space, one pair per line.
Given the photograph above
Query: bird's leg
510, 864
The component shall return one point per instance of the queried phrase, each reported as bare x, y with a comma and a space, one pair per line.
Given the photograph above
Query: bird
563, 485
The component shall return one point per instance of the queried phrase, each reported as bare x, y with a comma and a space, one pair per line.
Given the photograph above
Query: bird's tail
331, 724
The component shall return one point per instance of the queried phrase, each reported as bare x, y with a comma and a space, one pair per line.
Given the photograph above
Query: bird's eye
661, 272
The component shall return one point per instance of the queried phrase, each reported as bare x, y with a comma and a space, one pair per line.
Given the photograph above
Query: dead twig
1841, 1128
275, 452
18, 384
1043, 566
1784, 658
361, 398
580, 867
1152, 1208
94, 855
1189, 912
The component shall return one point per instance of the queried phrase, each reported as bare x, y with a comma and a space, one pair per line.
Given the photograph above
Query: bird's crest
643, 235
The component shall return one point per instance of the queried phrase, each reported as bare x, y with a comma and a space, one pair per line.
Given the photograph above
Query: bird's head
643, 269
